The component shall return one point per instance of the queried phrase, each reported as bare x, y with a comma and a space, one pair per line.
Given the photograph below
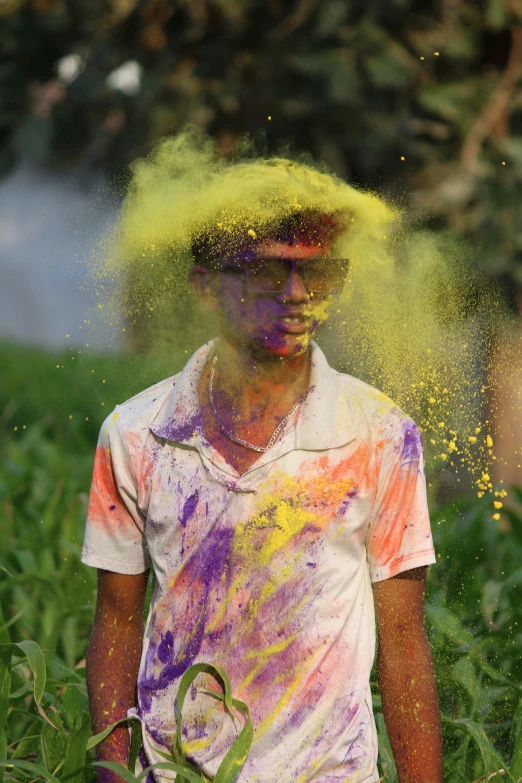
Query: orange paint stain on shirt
106, 508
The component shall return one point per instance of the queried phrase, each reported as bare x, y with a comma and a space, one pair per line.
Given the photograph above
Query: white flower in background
126, 78
70, 67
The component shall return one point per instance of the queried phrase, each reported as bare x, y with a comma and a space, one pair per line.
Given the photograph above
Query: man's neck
256, 377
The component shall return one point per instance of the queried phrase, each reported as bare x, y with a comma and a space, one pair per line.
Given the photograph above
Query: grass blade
446, 623
385, 752
183, 773
36, 663
96, 738
136, 741
515, 743
54, 742
4, 633
237, 753
119, 768
76, 750
489, 754
5, 688
36, 769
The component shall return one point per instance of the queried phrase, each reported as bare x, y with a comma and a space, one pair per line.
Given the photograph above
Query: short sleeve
114, 531
399, 535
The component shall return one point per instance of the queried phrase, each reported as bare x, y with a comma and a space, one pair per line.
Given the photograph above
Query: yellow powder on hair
415, 319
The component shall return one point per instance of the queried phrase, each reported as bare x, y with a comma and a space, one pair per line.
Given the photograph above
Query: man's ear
201, 280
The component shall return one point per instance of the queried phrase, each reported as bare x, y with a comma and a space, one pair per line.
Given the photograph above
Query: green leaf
136, 741
390, 68
22, 690
183, 773
54, 741
72, 708
97, 738
465, 674
490, 756
4, 633
69, 638
36, 662
490, 597
76, 750
5, 687
237, 753
114, 766
26, 745
494, 674
448, 624
386, 758
515, 743
30, 767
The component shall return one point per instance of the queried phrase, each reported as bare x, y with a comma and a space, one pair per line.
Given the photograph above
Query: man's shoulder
374, 406
136, 414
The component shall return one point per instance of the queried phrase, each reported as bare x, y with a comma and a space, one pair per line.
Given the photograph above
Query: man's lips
295, 323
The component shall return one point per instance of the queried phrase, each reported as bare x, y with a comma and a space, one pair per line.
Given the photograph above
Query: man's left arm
406, 677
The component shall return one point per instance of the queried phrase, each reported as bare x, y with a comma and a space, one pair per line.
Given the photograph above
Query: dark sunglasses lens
324, 276
267, 275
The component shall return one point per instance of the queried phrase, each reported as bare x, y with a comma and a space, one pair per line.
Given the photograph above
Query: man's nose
295, 290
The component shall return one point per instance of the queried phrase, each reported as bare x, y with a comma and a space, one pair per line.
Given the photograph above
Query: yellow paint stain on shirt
234, 587
265, 724
281, 519
288, 505
263, 657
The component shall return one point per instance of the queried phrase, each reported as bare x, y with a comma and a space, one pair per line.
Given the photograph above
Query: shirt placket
219, 468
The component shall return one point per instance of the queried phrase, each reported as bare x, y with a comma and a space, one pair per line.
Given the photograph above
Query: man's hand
406, 678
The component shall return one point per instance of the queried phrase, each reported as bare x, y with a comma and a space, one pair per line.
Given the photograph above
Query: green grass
49, 420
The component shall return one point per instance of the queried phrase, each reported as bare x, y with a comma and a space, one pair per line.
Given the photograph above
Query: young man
270, 494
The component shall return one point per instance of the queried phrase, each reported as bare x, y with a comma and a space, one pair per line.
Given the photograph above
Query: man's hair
309, 227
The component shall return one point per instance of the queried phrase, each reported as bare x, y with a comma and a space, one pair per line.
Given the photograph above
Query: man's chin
286, 345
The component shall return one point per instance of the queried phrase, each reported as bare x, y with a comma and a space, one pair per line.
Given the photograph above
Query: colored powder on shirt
416, 319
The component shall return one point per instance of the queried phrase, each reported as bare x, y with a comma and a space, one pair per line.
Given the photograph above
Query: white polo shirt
267, 574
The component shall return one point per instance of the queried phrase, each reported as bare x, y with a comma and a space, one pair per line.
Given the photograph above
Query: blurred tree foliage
419, 99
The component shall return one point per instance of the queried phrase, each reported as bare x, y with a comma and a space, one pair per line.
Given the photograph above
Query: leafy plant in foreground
73, 747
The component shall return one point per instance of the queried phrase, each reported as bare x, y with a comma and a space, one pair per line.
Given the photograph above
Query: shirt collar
180, 418
327, 419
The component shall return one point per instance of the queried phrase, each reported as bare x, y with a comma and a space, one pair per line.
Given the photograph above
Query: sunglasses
322, 277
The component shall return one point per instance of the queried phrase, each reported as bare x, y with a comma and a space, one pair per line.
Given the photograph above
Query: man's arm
113, 659
406, 678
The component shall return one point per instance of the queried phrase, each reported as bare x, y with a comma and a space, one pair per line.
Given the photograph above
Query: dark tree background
420, 99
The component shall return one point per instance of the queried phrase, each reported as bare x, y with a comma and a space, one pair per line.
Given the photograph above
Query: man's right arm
113, 659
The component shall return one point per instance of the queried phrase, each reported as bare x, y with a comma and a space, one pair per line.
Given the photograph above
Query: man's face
281, 324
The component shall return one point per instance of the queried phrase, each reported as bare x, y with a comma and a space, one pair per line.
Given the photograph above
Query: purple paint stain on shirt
145, 763
189, 508
205, 567
111, 508
165, 647
182, 429
145, 699
157, 736
412, 443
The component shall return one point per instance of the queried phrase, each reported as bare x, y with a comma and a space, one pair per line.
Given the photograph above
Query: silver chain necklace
240, 441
